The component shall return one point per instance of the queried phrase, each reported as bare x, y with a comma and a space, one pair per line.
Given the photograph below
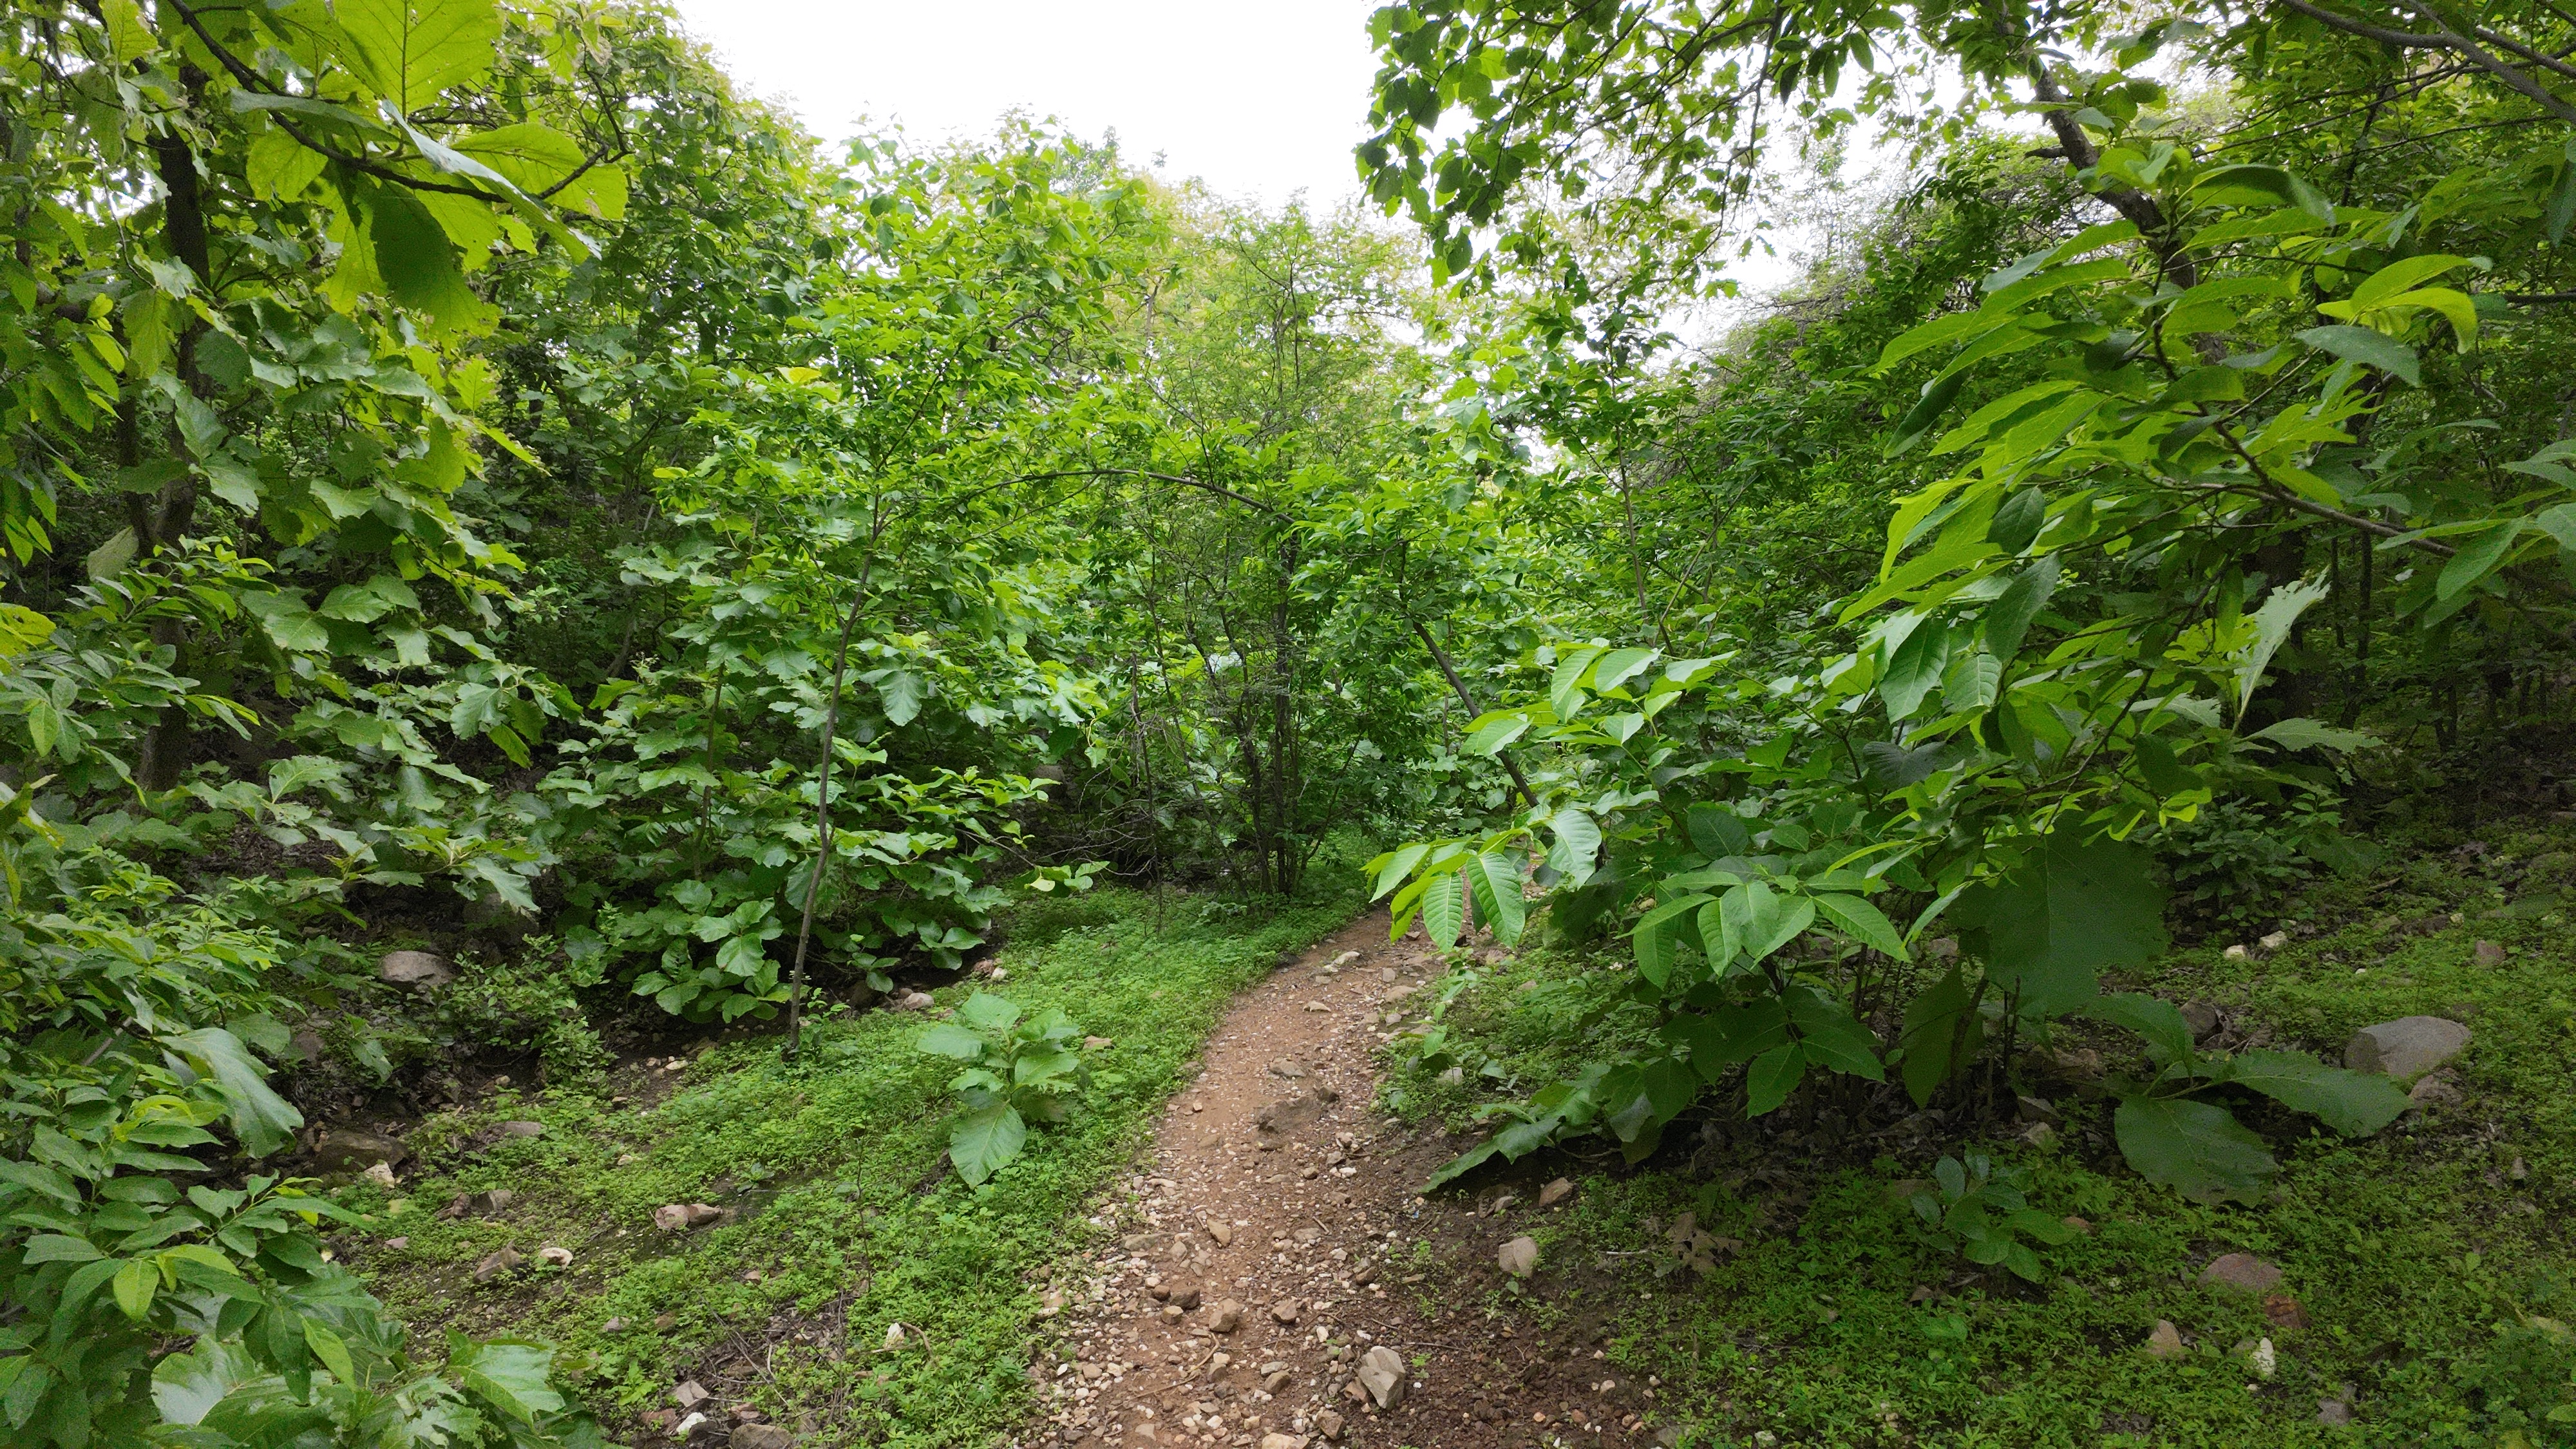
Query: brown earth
1273, 1191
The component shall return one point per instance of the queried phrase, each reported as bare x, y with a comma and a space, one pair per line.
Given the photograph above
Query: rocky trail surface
1279, 1283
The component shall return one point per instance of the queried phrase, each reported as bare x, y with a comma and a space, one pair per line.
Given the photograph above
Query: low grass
845, 1219
2431, 1262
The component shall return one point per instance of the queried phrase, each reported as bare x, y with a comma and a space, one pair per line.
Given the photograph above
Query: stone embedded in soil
2407, 1047
1224, 1235
2284, 1311
1381, 1374
2436, 1090
1185, 1295
343, 1150
689, 1394
522, 1129
2241, 1270
1329, 1424
1283, 1441
381, 1175
507, 1260
2166, 1341
1555, 1192
558, 1257
1225, 1316
2490, 954
2036, 1109
1519, 1257
1287, 1310
761, 1436
414, 968
2201, 1018
2333, 1413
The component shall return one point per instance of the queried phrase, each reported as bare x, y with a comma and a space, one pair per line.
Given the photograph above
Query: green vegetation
842, 1218
478, 485
2430, 1280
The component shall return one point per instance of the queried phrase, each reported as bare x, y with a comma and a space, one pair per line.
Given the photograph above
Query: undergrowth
2428, 1264
844, 1220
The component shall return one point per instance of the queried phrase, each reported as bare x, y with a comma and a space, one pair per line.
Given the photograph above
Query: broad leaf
987, 1012
2195, 1148
985, 1139
1444, 909
2355, 1104
1942, 1030
1772, 1077
2073, 910
2271, 630
408, 51
1863, 922
260, 1118
510, 1376
2160, 1022
1829, 1036
948, 1039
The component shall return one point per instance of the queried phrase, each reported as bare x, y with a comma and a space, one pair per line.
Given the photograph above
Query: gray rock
342, 1150
417, 969
2407, 1047
2438, 1089
1555, 1192
1329, 1424
2202, 1018
505, 1261
1519, 1257
2165, 1342
1381, 1373
522, 1129
2333, 1413
1224, 1316
761, 1436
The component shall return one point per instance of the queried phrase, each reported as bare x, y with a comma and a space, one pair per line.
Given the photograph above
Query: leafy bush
1016, 1071
2238, 859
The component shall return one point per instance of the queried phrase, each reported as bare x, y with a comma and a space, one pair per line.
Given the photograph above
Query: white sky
1260, 101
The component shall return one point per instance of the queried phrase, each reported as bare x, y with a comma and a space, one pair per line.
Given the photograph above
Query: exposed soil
1274, 1192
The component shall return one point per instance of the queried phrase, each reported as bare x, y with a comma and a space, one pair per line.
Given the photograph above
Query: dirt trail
1276, 1239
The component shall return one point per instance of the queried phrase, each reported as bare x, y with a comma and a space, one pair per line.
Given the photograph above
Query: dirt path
1275, 1241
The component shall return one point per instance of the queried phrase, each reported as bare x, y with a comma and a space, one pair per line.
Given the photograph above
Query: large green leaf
2355, 1104
508, 1374
2272, 622
1731, 1034
1578, 844
2195, 1148
1495, 876
1444, 909
2072, 911
987, 1012
1759, 920
985, 1139
1915, 668
261, 1119
2160, 1022
948, 1039
1772, 1077
408, 51
1863, 922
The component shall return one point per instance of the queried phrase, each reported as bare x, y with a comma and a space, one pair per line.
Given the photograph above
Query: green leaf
2160, 1022
2195, 1148
1760, 920
408, 51
1394, 866
2009, 617
2478, 557
332, 1350
2304, 734
1654, 936
900, 692
1772, 1077
135, 1284
1829, 1036
1495, 877
418, 263
1578, 844
948, 1039
260, 1118
1938, 395
1619, 666
2018, 521
22, 629
61, 1248
1915, 668
1566, 685
186, 1386
2072, 911
507, 1374
984, 1140
2272, 622
1493, 732
1731, 1034
1864, 923
2355, 1104
987, 1012
1942, 1030
1717, 831
2367, 345
1444, 909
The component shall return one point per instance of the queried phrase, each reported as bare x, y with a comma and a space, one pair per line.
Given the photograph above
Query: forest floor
1215, 1247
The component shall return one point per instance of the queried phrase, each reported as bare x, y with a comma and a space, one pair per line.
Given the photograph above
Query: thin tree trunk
823, 798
